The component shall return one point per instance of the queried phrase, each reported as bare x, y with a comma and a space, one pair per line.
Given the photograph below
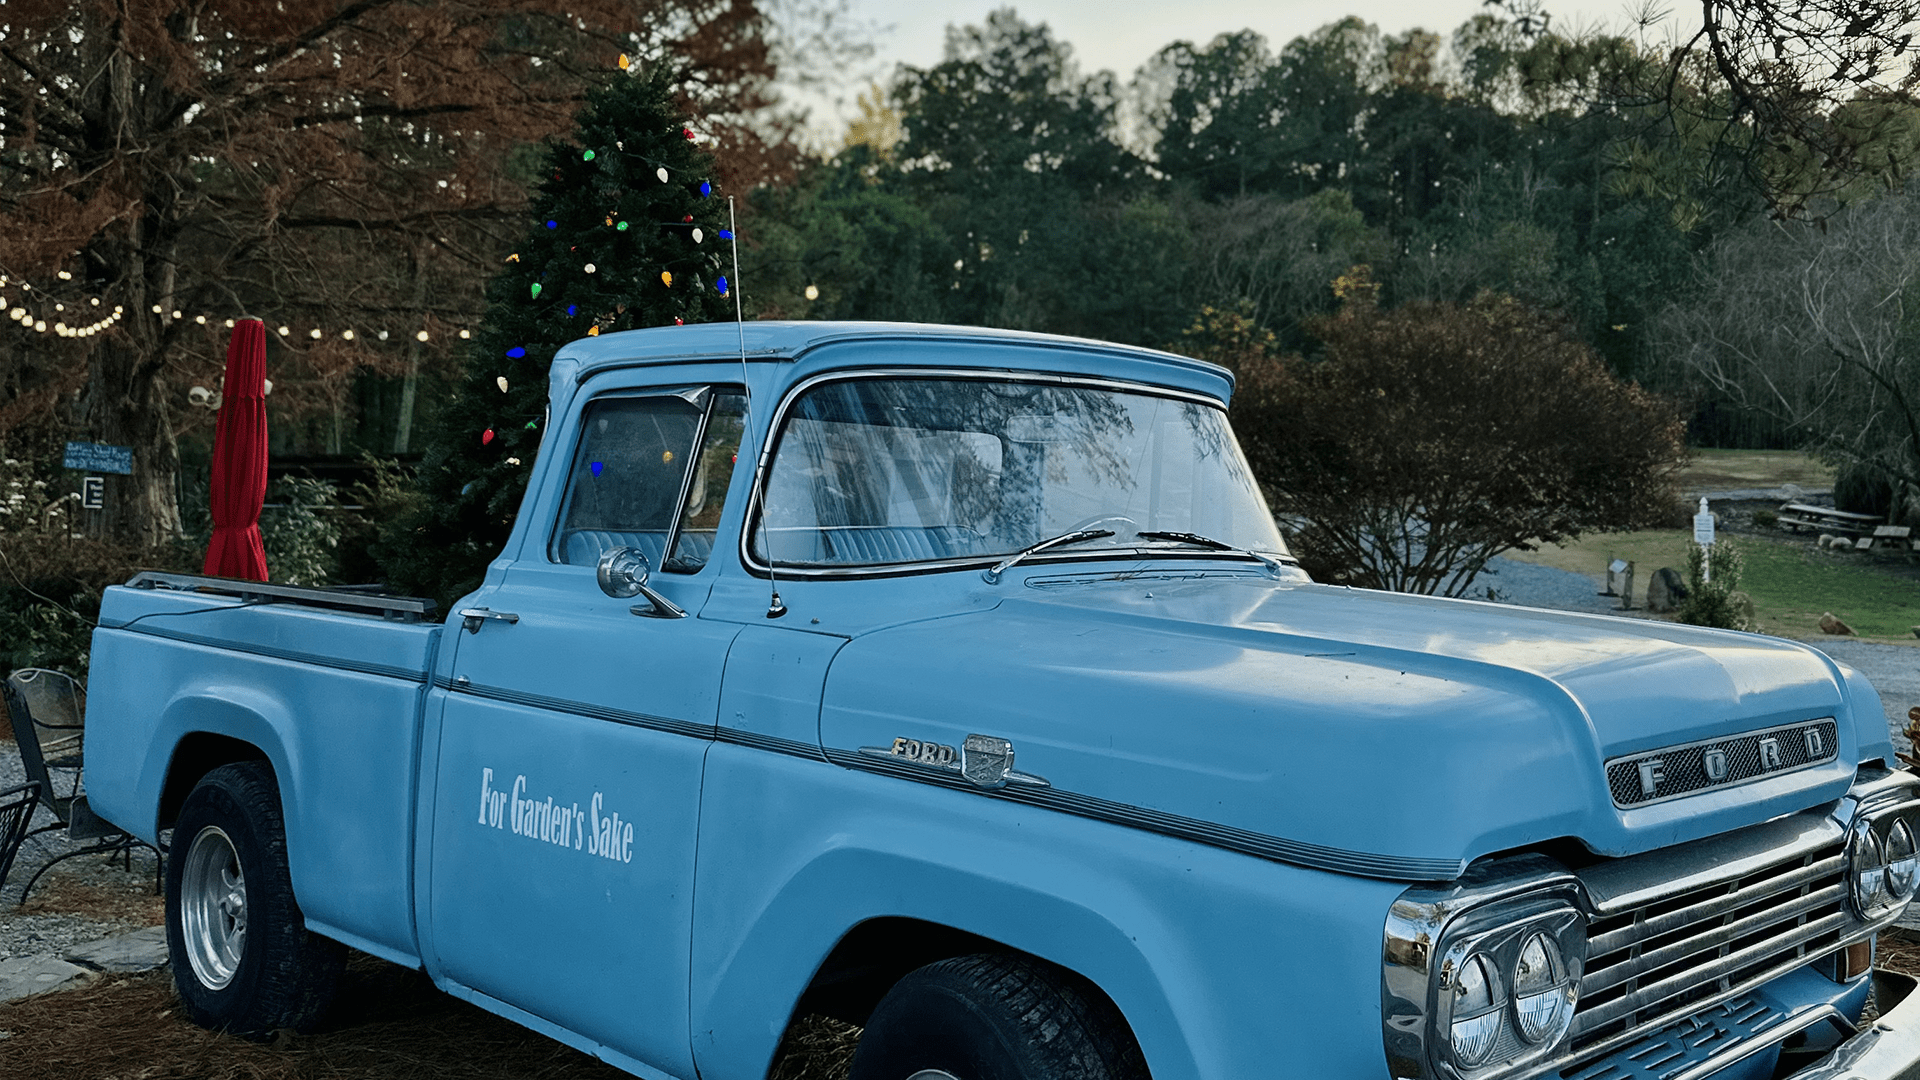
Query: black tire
273, 973
996, 1018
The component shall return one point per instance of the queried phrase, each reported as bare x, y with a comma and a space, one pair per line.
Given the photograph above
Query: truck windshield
886, 470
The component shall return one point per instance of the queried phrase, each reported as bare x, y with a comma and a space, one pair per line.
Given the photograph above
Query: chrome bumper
1889, 1050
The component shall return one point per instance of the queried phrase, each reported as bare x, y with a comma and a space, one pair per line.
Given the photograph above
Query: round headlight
1867, 866
1902, 863
1542, 993
1476, 1012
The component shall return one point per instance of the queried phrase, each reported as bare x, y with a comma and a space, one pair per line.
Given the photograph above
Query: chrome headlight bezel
1488, 917
1881, 877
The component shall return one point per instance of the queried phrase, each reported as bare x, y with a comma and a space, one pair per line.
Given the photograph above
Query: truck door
565, 812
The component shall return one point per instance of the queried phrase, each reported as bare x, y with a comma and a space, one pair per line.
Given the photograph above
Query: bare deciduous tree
309, 162
1818, 327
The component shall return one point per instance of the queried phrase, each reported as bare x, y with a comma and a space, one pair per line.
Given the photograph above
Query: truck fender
810, 914
241, 714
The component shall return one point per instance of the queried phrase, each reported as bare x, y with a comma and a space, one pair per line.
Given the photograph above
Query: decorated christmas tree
627, 231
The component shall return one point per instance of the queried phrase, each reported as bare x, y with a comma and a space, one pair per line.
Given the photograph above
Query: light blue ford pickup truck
957, 683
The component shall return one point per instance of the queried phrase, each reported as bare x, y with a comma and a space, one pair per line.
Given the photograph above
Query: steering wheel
1109, 521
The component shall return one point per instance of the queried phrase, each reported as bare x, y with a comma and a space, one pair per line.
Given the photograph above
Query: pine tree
626, 233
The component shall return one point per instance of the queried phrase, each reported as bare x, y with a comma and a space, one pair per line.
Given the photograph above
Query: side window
707, 492
628, 471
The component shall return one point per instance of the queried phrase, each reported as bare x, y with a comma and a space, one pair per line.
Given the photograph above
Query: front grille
1656, 963
1684, 1043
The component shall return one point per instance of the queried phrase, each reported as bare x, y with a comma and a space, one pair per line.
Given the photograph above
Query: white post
1703, 535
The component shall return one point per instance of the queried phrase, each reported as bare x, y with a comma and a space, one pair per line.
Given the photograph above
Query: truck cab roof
789, 341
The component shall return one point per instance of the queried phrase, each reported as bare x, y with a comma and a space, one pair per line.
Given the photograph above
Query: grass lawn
1791, 584
1731, 470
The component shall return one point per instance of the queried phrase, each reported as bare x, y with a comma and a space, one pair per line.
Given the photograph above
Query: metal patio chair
48, 712
17, 805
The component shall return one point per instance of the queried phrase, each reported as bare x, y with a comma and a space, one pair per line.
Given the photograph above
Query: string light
111, 314
661, 173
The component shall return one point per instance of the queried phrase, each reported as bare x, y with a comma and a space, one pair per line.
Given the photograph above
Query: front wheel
995, 1018
242, 958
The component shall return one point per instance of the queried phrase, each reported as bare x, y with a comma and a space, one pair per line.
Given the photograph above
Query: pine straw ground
389, 1024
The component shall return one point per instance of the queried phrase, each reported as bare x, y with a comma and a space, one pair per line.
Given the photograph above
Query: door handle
474, 618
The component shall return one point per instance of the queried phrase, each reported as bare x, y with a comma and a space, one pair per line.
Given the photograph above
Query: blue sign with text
99, 457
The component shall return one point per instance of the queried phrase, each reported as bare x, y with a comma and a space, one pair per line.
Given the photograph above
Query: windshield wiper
1275, 567
992, 577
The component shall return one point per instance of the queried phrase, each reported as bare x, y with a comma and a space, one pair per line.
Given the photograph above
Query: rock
28, 976
1831, 625
1665, 589
1916, 633
1826, 541
141, 950
1792, 492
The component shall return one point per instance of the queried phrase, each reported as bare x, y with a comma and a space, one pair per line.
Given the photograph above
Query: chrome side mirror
623, 572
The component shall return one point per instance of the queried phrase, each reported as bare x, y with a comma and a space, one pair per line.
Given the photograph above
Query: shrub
1718, 602
1764, 518
1435, 436
1863, 488
299, 531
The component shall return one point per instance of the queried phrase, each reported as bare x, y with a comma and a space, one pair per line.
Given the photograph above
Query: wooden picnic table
1799, 516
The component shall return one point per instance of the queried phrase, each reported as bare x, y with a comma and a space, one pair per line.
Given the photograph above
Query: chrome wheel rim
933, 1074
213, 908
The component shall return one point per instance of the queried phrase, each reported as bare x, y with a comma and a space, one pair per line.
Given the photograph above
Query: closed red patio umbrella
240, 458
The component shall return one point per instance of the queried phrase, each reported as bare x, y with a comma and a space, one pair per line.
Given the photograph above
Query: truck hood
1377, 733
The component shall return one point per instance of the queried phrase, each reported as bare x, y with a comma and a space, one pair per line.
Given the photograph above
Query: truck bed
189, 668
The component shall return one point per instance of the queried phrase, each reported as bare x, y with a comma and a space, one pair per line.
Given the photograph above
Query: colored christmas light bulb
516, 352
662, 174
726, 234
596, 467
486, 437
587, 156
594, 330
535, 290
706, 189
698, 236
552, 224
621, 227
501, 382
666, 278
572, 308
624, 62
721, 284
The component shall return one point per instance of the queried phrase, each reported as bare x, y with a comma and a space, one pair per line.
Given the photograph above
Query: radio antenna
775, 608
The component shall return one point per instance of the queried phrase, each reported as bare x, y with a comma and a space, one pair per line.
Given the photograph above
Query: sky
1119, 35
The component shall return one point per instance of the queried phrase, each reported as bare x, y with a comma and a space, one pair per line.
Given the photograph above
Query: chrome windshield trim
768, 444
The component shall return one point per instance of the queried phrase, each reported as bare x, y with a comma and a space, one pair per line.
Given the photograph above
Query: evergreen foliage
657, 253
1718, 602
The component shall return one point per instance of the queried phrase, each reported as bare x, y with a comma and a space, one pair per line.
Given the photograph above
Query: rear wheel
242, 958
995, 1018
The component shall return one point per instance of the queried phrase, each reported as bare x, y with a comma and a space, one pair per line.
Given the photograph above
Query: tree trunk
126, 407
